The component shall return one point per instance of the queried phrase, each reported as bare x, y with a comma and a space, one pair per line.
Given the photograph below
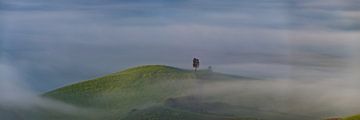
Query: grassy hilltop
136, 91
152, 92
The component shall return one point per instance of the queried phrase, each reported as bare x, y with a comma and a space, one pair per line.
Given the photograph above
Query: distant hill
139, 90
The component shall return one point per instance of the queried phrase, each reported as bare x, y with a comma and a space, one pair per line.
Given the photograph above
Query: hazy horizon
304, 54
55, 43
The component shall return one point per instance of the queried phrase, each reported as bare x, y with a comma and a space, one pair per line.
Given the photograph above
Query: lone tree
196, 64
210, 69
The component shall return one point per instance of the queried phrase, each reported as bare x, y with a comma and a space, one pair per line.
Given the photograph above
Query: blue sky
57, 42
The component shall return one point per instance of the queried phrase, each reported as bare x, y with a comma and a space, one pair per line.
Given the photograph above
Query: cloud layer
54, 43
16, 97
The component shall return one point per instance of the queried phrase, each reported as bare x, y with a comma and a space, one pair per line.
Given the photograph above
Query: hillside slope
168, 113
116, 95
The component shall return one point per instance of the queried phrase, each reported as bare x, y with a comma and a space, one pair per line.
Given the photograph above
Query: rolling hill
141, 92
151, 92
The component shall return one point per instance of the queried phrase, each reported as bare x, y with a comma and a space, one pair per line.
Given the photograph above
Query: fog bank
16, 97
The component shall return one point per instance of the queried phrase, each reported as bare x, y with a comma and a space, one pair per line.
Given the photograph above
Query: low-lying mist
311, 98
18, 101
318, 91
314, 87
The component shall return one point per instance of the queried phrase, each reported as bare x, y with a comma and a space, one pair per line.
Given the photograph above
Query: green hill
152, 92
145, 82
117, 95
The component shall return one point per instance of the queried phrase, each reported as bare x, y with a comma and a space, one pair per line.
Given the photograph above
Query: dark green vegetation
140, 94
168, 113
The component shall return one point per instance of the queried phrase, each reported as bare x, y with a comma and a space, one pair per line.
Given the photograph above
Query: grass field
152, 92
116, 95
